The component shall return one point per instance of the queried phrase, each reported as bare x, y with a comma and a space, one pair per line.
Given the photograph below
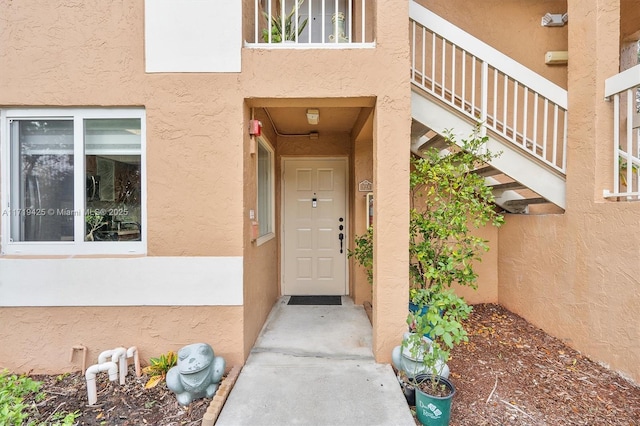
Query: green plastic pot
433, 410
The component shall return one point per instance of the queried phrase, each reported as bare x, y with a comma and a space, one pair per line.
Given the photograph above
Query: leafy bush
448, 200
13, 410
13, 390
159, 367
363, 252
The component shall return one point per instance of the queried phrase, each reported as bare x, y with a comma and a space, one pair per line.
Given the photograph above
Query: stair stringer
513, 162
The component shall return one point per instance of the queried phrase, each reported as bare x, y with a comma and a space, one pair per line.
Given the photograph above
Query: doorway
314, 226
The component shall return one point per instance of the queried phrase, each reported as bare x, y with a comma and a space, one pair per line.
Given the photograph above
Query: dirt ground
510, 373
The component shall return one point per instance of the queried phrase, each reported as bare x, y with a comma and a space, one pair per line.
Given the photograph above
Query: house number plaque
365, 186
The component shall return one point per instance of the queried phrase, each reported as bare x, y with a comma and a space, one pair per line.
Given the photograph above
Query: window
265, 191
73, 181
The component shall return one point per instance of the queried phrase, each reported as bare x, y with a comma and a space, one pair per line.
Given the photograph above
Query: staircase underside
519, 180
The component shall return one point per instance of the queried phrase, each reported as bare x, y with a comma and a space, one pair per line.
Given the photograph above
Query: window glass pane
265, 179
112, 184
41, 180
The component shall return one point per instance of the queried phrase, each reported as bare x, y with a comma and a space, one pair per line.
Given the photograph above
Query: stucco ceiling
352, 115
293, 120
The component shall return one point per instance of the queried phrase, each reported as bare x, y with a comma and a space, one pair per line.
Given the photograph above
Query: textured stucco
40, 339
571, 274
575, 275
513, 27
200, 174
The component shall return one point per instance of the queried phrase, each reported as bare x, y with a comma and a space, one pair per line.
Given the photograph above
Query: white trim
483, 51
76, 247
622, 81
139, 281
310, 46
266, 144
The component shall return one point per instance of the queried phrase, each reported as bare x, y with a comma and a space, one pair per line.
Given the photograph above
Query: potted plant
448, 202
283, 33
433, 334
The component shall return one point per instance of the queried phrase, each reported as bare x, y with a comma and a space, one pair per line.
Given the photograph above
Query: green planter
433, 410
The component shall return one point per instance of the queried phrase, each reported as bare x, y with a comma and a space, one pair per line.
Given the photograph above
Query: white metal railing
487, 86
624, 88
312, 23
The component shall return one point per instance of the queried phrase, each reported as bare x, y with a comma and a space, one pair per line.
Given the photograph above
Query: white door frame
346, 213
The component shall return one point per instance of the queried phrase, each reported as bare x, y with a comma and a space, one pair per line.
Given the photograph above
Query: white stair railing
624, 88
487, 86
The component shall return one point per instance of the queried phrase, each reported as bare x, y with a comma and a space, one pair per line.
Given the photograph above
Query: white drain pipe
133, 352
90, 375
117, 355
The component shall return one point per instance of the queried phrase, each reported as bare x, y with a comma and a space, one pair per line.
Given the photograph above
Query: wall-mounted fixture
556, 57
313, 116
313, 135
554, 19
255, 127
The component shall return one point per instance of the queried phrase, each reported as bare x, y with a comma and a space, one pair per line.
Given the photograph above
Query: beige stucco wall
199, 171
571, 274
512, 27
92, 54
362, 166
39, 340
487, 270
261, 288
574, 275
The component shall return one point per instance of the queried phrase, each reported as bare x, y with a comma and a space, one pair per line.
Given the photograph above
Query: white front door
314, 226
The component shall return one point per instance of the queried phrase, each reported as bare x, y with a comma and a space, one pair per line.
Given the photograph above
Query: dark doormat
315, 300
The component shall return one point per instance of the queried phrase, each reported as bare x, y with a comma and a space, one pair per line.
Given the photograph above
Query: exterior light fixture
554, 20
313, 116
556, 57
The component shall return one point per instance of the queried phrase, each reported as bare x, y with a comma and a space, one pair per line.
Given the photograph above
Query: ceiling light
313, 116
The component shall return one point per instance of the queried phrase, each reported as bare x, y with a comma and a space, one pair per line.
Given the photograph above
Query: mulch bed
509, 373
512, 373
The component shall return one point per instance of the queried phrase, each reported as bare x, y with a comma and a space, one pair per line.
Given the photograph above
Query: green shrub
13, 390
13, 409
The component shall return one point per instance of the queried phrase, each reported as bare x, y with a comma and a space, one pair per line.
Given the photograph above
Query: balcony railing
487, 86
624, 88
312, 23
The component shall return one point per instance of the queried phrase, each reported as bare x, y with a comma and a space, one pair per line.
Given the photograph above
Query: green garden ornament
197, 374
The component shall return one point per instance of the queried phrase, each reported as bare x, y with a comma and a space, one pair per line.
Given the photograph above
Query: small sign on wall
365, 186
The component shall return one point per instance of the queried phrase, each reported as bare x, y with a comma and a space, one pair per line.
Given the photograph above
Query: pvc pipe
111, 367
119, 355
133, 352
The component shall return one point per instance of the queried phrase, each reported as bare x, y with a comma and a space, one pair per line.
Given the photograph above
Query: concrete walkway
313, 365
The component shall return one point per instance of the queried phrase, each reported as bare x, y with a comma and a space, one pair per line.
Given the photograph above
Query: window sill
264, 238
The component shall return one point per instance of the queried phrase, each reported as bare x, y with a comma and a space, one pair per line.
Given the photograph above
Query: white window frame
78, 115
270, 234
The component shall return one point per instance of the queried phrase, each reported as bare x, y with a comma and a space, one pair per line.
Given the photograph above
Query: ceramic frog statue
197, 374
